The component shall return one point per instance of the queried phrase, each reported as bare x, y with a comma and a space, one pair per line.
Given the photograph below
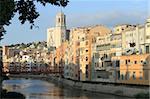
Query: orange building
72, 55
59, 58
135, 69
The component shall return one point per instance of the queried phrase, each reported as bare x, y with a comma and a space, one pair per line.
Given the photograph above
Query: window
83, 39
86, 74
146, 75
147, 49
126, 62
122, 77
86, 42
141, 61
58, 20
95, 64
117, 63
127, 75
86, 58
135, 62
78, 37
99, 76
129, 61
140, 76
134, 76
118, 73
86, 67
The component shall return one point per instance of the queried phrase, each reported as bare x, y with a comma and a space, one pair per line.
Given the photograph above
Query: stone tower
57, 35
61, 25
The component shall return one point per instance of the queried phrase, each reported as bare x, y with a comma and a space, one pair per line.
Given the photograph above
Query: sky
78, 13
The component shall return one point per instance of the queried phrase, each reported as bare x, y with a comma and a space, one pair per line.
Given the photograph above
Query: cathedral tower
57, 35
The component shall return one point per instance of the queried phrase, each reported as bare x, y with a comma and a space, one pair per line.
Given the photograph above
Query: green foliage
7, 8
27, 11
25, 8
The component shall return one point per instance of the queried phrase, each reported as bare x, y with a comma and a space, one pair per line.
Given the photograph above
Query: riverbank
121, 90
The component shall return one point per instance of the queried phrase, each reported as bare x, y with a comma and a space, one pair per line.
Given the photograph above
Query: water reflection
38, 89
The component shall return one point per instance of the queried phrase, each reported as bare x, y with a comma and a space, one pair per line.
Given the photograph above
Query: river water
39, 89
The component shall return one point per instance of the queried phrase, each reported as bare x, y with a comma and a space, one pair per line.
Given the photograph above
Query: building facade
57, 34
132, 69
137, 39
100, 52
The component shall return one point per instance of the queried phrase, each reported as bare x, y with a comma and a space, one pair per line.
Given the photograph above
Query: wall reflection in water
38, 89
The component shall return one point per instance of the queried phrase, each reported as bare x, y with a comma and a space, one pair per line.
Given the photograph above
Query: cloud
107, 18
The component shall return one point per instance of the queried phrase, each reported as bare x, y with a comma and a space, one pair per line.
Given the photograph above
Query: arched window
58, 20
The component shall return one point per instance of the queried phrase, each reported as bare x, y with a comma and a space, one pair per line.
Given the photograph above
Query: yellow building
84, 52
82, 40
73, 67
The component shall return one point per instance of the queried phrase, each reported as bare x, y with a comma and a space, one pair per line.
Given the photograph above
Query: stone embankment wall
121, 90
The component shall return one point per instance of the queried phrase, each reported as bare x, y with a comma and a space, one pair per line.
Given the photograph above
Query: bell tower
61, 26
57, 35
60, 20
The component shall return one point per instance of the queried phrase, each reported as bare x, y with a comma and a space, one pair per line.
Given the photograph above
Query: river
39, 89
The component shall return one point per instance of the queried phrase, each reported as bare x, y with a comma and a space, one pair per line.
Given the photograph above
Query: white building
116, 39
147, 36
139, 36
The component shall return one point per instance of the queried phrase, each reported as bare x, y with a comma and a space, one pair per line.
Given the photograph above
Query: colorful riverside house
147, 36
138, 35
117, 37
60, 58
99, 48
85, 38
132, 69
73, 68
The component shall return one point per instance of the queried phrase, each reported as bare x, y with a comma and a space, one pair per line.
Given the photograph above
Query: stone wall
122, 90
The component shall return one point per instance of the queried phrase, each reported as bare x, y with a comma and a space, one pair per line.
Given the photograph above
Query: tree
25, 8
